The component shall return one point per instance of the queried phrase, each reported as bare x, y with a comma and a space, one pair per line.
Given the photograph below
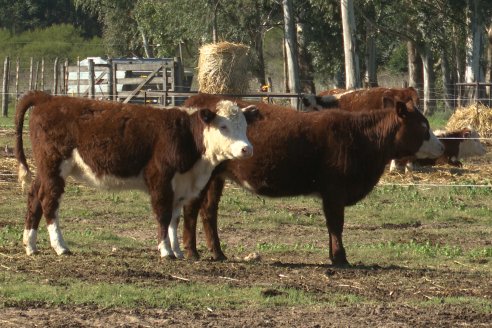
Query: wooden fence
124, 80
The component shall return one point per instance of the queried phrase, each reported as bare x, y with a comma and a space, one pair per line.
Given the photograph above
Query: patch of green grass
439, 119
8, 122
419, 251
478, 304
279, 247
17, 289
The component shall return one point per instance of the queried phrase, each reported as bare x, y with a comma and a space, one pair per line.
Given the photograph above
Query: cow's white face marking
471, 146
225, 138
76, 167
431, 148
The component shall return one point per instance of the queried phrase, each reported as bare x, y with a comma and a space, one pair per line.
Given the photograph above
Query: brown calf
356, 100
168, 153
336, 155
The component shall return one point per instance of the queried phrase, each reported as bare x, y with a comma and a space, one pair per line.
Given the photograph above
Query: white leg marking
172, 234
393, 166
164, 248
29, 240
56, 238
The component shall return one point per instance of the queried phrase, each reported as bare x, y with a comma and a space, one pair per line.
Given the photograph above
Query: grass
16, 289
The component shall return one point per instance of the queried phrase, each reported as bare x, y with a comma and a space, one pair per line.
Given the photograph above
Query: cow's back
111, 138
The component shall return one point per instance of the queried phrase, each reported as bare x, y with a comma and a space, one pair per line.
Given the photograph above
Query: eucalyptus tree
191, 23
121, 33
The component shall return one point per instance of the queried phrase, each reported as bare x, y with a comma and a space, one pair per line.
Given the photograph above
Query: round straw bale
476, 116
223, 68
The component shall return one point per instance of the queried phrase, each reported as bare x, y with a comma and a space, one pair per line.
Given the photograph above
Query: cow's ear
309, 100
388, 102
206, 115
401, 109
251, 113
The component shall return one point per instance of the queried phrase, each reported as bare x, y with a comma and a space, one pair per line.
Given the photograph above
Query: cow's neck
188, 185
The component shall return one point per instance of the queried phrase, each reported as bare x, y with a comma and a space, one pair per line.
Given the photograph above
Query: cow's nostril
247, 150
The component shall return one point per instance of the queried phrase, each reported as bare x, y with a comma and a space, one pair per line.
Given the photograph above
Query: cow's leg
334, 215
209, 212
397, 166
190, 218
50, 192
33, 216
173, 234
161, 197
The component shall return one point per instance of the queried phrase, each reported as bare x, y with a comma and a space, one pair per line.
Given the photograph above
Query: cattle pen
419, 248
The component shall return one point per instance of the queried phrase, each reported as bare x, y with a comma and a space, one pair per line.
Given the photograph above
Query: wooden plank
140, 67
144, 82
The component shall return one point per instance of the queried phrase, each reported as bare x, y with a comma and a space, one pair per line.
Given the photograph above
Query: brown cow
336, 155
357, 100
168, 153
458, 144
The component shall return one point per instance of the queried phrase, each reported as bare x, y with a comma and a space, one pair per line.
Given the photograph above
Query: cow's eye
223, 128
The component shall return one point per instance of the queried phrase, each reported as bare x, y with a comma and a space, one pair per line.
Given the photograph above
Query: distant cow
357, 100
458, 144
168, 153
336, 155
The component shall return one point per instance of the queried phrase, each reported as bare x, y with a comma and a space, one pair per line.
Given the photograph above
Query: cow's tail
30, 99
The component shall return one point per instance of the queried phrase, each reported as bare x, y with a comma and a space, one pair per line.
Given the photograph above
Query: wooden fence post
78, 76
114, 69
17, 65
110, 79
65, 76
92, 87
42, 74
30, 74
36, 76
5, 89
55, 77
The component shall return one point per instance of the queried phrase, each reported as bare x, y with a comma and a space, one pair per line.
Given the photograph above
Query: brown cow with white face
168, 153
336, 155
458, 144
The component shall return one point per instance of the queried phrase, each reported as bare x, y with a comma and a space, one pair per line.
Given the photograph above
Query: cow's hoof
64, 251
192, 256
219, 257
170, 257
31, 251
179, 255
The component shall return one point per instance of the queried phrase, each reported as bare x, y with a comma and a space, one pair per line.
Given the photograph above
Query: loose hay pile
223, 68
477, 116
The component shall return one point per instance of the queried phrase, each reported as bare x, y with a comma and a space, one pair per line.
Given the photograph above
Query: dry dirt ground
390, 288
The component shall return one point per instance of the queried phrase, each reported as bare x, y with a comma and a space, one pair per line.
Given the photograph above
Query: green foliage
62, 41
397, 62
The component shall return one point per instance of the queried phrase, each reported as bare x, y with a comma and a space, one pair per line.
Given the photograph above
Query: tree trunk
473, 49
447, 81
352, 76
371, 78
414, 66
305, 63
261, 75
215, 37
290, 49
148, 51
459, 68
428, 63
489, 61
